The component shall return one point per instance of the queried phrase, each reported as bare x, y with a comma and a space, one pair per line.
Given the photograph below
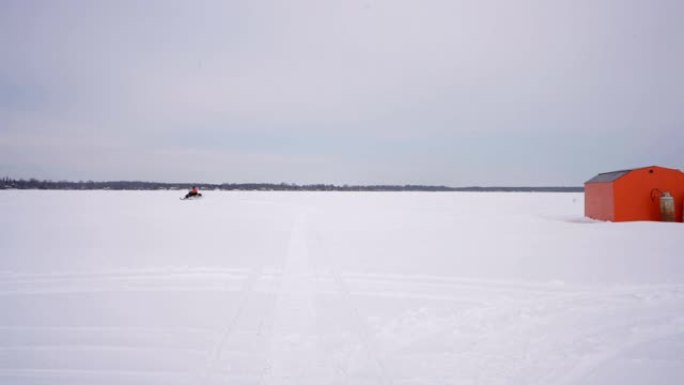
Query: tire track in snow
294, 358
47, 339
94, 376
10, 277
361, 328
356, 321
559, 354
172, 280
611, 339
37, 348
227, 333
441, 282
528, 308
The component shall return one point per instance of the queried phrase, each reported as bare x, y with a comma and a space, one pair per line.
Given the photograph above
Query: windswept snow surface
334, 288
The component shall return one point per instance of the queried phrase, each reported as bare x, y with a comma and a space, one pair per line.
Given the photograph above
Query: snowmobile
193, 194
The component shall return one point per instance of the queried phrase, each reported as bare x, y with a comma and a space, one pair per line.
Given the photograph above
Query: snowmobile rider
194, 193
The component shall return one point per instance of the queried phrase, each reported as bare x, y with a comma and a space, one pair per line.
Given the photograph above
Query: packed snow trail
294, 358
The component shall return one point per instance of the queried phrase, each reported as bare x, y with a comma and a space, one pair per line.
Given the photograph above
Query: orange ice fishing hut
643, 194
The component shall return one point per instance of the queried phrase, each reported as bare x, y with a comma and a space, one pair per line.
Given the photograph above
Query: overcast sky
442, 92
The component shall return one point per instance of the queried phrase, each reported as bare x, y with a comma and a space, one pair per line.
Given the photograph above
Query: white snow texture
122, 288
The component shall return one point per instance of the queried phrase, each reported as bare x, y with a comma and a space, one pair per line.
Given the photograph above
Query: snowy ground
334, 288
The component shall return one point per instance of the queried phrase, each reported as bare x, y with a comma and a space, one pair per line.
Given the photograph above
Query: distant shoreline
35, 184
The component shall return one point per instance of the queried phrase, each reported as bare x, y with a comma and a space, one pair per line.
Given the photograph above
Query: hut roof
609, 176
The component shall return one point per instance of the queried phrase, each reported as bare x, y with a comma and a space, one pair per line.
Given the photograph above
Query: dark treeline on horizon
35, 184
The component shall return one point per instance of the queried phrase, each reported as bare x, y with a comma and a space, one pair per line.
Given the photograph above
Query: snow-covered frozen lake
123, 288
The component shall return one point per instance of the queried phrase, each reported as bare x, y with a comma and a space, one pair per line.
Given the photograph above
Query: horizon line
52, 184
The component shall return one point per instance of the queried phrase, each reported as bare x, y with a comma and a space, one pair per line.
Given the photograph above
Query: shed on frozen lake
633, 195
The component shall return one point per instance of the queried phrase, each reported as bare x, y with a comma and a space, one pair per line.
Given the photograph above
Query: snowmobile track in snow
247, 292
362, 329
292, 359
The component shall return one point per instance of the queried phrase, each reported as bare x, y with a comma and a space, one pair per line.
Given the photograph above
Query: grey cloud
440, 92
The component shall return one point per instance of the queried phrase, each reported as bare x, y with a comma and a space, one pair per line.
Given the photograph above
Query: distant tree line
35, 184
